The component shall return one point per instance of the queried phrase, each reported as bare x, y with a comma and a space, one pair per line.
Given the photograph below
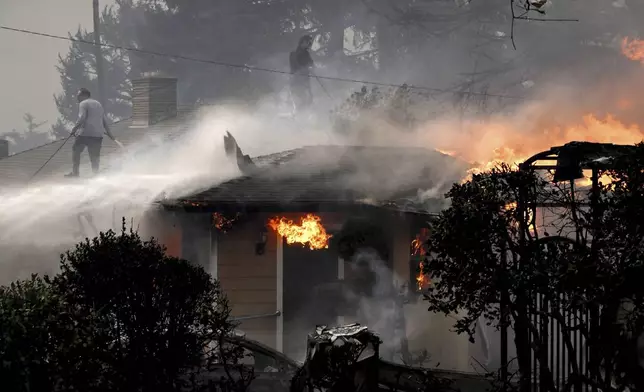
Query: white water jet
40, 220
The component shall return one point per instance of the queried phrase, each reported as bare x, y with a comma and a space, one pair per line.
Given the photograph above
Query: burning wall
382, 309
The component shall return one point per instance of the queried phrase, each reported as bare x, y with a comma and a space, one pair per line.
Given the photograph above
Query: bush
43, 339
121, 315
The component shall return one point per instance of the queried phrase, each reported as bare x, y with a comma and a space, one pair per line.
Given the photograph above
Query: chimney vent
154, 99
4, 148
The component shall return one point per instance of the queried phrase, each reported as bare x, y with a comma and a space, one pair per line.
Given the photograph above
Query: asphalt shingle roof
337, 175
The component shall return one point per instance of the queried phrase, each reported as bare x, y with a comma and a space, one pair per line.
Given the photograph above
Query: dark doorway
305, 271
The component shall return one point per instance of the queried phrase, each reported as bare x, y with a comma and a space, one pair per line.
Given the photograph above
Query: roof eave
277, 207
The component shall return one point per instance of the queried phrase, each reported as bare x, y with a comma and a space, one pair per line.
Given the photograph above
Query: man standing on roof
92, 124
301, 64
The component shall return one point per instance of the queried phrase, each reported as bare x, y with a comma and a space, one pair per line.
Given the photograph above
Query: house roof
337, 175
383, 177
19, 168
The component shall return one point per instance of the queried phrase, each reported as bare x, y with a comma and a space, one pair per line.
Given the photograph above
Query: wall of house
254, 283
424, 330
249, 280
165, 227
433, 332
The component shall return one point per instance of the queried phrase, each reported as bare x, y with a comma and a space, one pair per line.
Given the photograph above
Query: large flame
502, 144
633, 49
309, 232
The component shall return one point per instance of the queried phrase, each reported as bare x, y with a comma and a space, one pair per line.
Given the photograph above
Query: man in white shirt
92, 124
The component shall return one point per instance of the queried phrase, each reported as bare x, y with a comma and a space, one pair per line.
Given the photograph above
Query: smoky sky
29, 78
27, 71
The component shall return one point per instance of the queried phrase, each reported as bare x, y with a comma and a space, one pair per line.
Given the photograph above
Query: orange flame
422, 280
417, 246
418, 249
604, 179
222, 222
509, 147
633, 49
512, 206
309, 232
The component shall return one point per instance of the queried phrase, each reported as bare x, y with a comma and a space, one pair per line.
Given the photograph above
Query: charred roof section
331, 176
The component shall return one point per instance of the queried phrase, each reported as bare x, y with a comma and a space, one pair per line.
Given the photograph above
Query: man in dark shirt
301, 64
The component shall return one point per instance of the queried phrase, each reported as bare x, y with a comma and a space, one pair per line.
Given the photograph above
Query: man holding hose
92, 124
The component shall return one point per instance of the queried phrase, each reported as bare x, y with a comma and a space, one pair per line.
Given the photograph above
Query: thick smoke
378, 307
429, 337
44, 219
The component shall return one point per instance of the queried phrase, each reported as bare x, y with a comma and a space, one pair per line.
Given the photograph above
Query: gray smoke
380, 309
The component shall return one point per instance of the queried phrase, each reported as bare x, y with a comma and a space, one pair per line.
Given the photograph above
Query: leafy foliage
121, 315
488, 250
44, 340
469, 240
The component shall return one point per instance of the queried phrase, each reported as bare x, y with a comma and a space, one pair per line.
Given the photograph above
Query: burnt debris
244, 162
343, 358
347, 358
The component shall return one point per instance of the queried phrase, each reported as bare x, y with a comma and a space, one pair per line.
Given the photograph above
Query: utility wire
254, 68
232, 65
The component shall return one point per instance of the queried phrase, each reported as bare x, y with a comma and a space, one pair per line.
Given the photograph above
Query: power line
253, 68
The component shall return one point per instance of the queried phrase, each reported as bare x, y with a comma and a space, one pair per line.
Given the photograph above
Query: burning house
322, 235
314, 235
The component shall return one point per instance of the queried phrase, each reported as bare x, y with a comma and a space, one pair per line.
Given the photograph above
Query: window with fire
419, 280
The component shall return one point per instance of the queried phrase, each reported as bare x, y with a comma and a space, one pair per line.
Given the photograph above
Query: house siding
248, 279
251, 281
165, 227
428, 331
